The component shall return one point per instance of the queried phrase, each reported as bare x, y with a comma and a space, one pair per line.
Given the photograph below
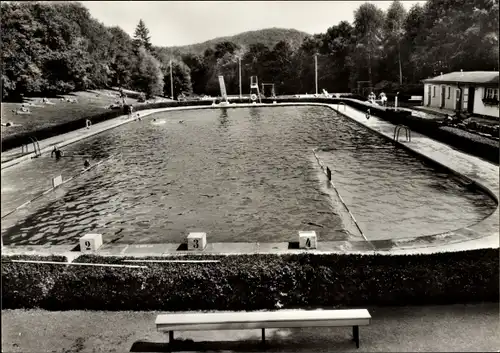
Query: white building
475, 92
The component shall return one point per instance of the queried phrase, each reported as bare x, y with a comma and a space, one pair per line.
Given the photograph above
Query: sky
173, 23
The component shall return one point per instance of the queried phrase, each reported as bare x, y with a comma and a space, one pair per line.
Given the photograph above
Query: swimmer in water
86, 164
57, 152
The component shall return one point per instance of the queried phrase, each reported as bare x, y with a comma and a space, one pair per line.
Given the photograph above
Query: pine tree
141, 36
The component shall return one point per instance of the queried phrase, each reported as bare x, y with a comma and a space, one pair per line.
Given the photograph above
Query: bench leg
170, 340
263, 336
355, 335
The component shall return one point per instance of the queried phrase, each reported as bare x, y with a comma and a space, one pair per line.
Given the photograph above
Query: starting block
197, 241
308, 240
90, 242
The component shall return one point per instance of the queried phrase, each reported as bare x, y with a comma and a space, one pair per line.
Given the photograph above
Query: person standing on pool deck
57, 152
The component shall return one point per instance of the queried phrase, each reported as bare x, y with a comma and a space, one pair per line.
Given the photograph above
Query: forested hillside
269, 37
53, 48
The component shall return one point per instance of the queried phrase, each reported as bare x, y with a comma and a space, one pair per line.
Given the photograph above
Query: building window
449, 92
491, 93
490, 96
433, 91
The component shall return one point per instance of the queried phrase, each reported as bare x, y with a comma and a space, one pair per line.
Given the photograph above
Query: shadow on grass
238, 346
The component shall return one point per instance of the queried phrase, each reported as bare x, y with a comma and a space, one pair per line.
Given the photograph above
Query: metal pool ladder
36, 147
398, 129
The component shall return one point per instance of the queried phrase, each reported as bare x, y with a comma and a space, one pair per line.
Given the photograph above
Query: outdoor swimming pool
241, 175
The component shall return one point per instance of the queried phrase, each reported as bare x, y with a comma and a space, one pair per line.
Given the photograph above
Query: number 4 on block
307, 240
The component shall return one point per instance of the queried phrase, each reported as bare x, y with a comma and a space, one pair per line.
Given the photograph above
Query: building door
443, 92
458, 101
429, 95
470, 103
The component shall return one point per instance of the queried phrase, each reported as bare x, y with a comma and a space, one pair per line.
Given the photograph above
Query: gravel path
451, 328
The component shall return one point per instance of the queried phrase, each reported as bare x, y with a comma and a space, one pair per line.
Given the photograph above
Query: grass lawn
447, 328
43, 115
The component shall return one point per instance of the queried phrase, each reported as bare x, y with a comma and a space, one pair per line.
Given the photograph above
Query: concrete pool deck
484, 234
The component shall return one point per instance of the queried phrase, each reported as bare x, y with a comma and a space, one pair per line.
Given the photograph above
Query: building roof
475, 77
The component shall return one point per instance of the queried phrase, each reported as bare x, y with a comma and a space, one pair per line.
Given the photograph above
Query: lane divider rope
53, 188
323, 168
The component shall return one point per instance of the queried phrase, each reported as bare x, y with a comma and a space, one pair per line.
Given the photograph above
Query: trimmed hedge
492, 130
253, 282
48, 257
464, 141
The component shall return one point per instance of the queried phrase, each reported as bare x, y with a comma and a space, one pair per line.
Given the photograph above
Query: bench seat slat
262, 318
267, 324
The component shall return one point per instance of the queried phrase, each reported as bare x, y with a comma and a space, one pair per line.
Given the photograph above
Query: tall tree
56, 47
254, 61
458, 35
368, 25
181, 77
198, 69
141, 36
148, 76
225, 47
413, 25
221, 60
22, 60
280, 68
338, 43
394, 30
121, 58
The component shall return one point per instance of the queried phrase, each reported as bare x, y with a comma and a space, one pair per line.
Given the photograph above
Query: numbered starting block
308, 240
196, 241
90, 242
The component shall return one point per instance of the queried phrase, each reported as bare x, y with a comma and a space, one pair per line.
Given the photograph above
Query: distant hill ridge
268, 37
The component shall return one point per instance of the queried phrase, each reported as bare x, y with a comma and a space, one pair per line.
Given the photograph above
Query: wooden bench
416, 99
263, 319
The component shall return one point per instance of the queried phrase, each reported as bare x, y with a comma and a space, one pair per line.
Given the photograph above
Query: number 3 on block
197, 241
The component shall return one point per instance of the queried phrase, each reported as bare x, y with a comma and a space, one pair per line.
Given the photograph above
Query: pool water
241, 175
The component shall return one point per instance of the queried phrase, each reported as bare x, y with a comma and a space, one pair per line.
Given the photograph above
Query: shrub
48, 257
141, 98
252, 282
27, 285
